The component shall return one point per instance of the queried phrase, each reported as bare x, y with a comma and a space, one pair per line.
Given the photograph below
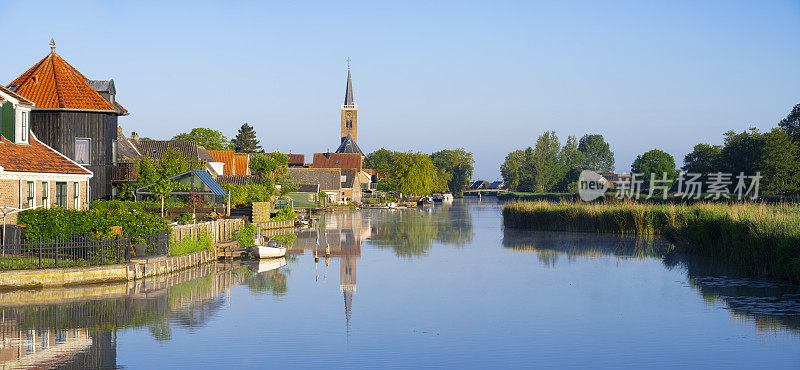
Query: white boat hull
262, 251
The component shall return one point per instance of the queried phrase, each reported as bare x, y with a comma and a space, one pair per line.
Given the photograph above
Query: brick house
33, 174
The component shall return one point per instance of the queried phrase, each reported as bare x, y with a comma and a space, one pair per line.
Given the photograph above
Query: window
29, 194
45, 194
76, 195
23, 132
61, 194
82, 150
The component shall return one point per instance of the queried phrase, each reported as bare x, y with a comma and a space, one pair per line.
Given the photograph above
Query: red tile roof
35, 157
54, 83
242, 162
296, 160
226, 157
15, 96
338, 160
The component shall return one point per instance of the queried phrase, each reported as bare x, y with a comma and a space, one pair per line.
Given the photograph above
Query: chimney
134, 136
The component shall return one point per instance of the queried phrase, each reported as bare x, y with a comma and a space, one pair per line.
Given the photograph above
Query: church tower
349, 110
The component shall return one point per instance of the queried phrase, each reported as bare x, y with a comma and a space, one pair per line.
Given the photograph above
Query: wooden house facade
72, 117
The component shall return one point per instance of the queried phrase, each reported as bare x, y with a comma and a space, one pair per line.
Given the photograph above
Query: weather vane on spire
52, 45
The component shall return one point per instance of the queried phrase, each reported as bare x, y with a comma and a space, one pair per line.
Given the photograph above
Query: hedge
48, 224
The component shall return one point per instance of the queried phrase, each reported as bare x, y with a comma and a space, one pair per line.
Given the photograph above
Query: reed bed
761, 239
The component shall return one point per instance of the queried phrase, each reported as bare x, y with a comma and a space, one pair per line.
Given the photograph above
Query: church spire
349, 99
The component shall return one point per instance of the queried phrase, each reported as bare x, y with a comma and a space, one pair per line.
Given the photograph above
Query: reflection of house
73, 115
51, 348
31, 173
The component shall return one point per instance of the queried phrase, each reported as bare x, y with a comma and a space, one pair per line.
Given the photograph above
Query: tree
163, 188
173, 162
704, 159
208, 138
246, 140
657, 163
597, 153
779, 163
414, 173
518, 170
572, 159
382, 161
742, 152
791, 124
458, 164
548, 169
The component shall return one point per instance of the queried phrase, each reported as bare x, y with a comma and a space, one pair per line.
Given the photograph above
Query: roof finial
348, 62
52, 45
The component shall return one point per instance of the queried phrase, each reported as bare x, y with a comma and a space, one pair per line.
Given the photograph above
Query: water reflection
77, 326
338, 235
771, 305
411, 233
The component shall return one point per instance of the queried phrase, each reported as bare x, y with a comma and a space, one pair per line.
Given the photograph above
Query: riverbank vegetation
421, 174
758, 238
189, 245
549, 167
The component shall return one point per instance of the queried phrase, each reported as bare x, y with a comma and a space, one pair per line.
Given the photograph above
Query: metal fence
78, 251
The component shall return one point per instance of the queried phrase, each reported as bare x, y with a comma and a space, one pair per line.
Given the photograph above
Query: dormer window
24, 127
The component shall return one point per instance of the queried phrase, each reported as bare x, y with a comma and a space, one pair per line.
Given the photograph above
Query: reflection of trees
412, 233
548, 246
769, 305
273, 281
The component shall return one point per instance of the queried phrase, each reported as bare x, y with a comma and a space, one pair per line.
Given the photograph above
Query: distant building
73, 115
349, 120
329, 180
131, 150
338, 160
479, 185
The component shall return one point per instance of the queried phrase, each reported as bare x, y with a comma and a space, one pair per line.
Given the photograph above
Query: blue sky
486, 76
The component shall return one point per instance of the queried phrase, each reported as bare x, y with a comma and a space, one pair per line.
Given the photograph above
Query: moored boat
270, 250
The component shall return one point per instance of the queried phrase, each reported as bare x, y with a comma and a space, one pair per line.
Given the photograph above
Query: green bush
246, 235
48, 224
184, 218
190, 245
285, 214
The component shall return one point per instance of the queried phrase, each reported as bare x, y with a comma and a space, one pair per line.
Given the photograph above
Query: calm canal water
441, 287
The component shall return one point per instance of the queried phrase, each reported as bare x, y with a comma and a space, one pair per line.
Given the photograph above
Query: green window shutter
7, 118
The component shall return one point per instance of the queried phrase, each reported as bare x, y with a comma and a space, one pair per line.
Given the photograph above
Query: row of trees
418, 173
246, 140
550, 167
776, 154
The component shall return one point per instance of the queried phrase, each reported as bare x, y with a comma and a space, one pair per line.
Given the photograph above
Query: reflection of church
344, 232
